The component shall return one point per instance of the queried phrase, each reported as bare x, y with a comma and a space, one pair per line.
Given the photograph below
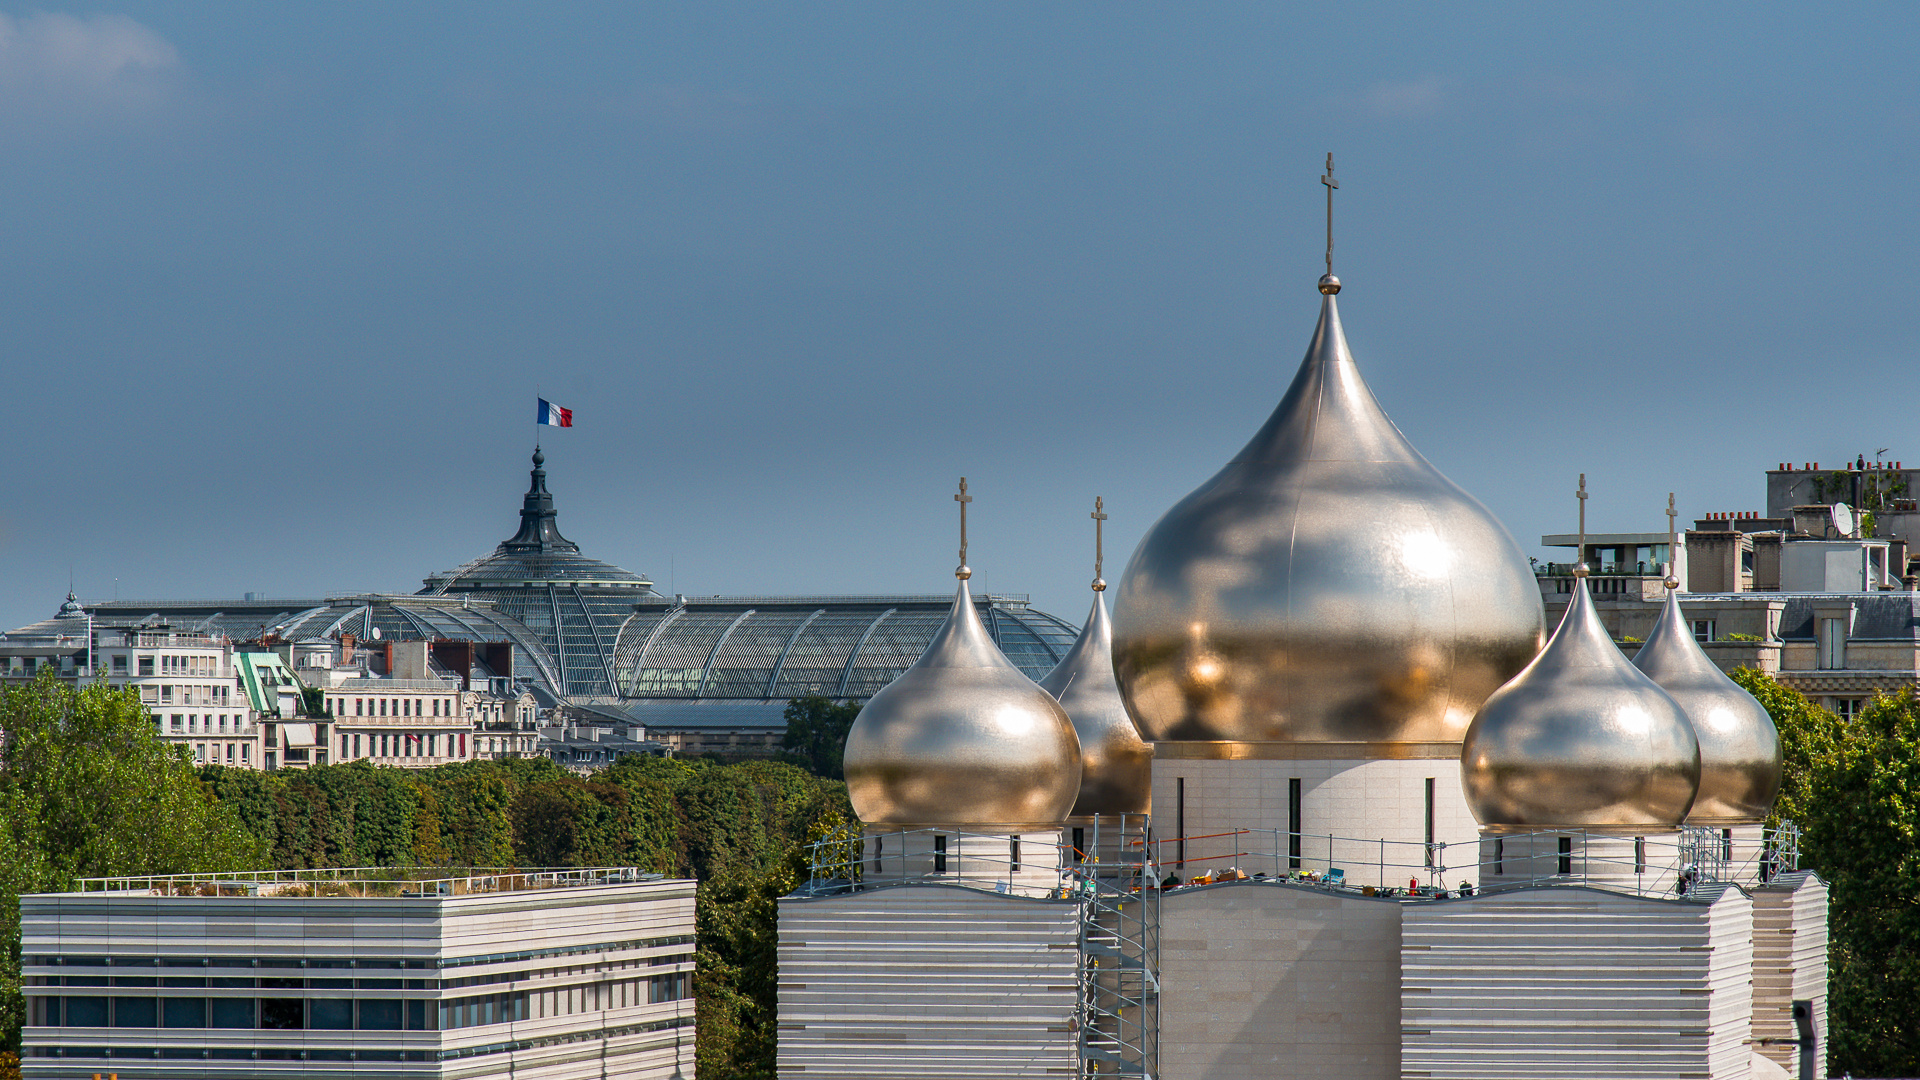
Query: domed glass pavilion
595, 633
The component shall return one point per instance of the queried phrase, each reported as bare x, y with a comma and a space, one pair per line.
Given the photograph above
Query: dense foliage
1854, 788
737, 828
86, 790
816, 737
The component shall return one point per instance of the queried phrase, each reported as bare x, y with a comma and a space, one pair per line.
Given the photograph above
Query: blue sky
278, 282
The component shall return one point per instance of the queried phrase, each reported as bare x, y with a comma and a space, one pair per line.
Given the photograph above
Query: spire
1740, 766
963, 737
539, 530
1328, 585
1116, 775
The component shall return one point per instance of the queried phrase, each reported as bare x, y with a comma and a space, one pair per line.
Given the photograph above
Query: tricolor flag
553, 415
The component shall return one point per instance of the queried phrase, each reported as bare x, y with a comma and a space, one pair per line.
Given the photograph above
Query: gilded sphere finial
963, 571
1581, 569
1099, 584
1329, 285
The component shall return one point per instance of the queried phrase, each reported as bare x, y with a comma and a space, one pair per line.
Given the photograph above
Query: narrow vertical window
939, 854
1566, 855
1726, 844
1180, 820
876, 855
1429, 822
1639, 854
1499, 856
1079, 845
1293, 823
1013, 852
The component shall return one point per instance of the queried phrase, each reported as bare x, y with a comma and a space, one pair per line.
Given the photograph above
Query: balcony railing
1619, 569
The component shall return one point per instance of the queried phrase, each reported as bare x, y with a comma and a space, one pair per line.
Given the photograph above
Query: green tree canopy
1862, 823
88, 790
817, 734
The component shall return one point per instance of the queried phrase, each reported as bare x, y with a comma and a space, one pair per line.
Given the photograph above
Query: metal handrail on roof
876, 600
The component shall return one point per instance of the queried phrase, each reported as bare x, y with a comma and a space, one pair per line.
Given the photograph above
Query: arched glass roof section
774, 648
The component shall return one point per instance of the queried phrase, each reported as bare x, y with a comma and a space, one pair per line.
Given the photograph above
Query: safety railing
369, 881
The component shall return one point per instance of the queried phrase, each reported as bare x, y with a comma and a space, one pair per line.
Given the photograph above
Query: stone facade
1365, 817
1263, 980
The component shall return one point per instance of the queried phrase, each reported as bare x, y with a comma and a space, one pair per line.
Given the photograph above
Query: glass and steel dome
573, 604
781, 647
589, 630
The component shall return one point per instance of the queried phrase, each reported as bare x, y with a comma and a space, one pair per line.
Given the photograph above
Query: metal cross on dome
1099, 521
1580, 553
963, 499
1331, 185
1673, 545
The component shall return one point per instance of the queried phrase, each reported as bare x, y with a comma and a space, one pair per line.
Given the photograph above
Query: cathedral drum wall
1360, 803
1264, 980
928, 981
1789, 963
1576, 983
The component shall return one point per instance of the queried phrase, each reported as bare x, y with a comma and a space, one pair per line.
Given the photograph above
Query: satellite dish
1843, 519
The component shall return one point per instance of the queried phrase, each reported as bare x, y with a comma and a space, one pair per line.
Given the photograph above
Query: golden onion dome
962, 738
1328, 585
1580, 740
1116, 775
1739, 744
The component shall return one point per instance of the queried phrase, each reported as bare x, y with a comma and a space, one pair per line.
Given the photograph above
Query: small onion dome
1328, 585
71, 609
962, 738
1580, 740
1116, 775
1739, 746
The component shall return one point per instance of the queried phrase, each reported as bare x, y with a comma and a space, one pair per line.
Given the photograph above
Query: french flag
553, 415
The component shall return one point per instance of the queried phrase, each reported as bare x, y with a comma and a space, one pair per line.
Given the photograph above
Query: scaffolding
1119, 948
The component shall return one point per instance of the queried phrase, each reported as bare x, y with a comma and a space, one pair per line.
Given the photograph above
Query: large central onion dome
1328, 585
1580, 740
1116, 764
1739, 745
962, 738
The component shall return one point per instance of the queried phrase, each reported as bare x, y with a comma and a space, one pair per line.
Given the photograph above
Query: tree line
87, 790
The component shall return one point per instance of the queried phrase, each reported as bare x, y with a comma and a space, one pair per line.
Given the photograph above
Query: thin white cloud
58, 65
1403, 100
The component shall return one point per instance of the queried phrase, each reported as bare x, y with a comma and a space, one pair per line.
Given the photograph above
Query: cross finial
1099, 522
963, 572
1673, 546
1331, 184
1580, 553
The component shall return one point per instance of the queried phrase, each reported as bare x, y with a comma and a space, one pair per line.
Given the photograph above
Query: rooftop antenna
1099, 522
1329, 285
963, 571
1673, 546
1580, 554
